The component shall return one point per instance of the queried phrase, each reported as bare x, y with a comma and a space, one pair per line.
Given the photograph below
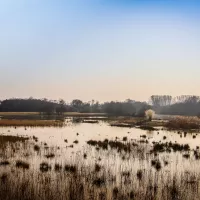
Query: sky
99, 49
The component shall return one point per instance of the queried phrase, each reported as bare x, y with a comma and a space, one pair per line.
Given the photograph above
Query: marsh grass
50, 155
169, 146
12, 139
58, 167
139, 174
88, 179
4, 163
22, 164
45, 167
85, 155
70, 168
181, 122
18, 113
156, 164
90, 121
147, 127
31, 123
36, 147
120, 124
85, 185
97, 168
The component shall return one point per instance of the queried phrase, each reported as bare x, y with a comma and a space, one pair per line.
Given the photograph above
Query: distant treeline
181, 105
45, 106
30, 105
162, 104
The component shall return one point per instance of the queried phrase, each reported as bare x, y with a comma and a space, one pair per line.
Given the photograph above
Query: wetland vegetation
98, 156
124, 163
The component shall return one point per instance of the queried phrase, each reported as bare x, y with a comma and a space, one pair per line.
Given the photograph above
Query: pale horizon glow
102, 49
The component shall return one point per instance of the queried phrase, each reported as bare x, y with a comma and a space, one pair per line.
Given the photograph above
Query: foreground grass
15, 122
75, 179
71, 184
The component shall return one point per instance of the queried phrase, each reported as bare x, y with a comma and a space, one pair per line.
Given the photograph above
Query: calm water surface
98, 131
82, 132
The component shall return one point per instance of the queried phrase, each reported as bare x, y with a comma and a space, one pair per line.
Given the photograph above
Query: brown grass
37, 113
18, 113
135, 121
181, 122
155, 123
130, 120
15, 122
125, 121
83, 114
76, 180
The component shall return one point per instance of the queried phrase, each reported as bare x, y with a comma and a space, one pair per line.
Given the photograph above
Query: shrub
149, 114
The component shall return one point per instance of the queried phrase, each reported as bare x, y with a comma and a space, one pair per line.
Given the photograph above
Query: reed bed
30, 123
181, 122
104, 170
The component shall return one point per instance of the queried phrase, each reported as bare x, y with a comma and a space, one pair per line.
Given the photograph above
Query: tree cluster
124, 108
181, 105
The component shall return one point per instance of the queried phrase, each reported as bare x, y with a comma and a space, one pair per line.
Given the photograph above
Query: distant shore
70, 114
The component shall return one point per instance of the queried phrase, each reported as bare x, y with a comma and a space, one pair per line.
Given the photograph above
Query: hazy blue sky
99, 49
